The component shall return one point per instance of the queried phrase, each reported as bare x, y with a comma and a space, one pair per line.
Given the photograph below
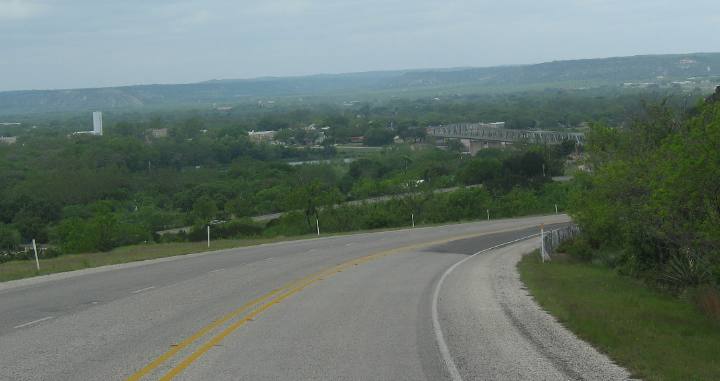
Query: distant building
159, 133
223, 108
97, 126
9, 124
8, 139
97, 123
263, 104
262, 136
83, 133
357, 139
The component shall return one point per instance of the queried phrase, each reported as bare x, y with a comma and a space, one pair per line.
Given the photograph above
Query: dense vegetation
651, 207
88, 193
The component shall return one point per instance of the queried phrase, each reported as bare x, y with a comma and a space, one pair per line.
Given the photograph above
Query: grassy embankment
655, 336
69, 262
24, 269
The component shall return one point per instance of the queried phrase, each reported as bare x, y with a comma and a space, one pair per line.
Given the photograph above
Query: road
393, 305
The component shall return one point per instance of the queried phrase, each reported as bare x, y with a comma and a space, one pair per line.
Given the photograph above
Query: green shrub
685, 270
577, 248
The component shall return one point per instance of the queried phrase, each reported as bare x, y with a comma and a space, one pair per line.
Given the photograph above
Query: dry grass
708, 300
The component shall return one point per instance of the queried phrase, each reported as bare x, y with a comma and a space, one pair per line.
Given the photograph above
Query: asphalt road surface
399, 305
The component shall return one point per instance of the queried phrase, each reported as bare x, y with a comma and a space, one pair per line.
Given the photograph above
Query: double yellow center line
264, 303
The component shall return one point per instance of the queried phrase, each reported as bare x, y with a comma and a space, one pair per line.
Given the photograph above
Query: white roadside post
488, 214
317, 224
412, 216
556, 209
208, 234
37, 261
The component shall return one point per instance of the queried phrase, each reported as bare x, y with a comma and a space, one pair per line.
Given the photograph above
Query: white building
97, 123
97, 126
262, 136
8, 139
159, 133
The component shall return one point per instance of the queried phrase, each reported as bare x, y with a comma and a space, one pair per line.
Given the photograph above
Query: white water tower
97, 123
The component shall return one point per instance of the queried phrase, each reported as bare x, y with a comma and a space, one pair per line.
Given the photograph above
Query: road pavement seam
33, 322
439, 337
143, 289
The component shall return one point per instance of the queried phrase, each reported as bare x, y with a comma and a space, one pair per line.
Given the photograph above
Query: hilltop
684, 70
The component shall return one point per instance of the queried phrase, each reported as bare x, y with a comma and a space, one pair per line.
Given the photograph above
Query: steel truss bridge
482, 132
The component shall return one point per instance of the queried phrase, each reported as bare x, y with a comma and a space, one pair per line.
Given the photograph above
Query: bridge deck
492, 134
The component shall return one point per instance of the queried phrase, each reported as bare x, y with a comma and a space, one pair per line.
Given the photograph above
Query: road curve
341, 308
495, 331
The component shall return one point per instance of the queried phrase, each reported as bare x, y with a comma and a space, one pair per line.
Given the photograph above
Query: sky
51, 44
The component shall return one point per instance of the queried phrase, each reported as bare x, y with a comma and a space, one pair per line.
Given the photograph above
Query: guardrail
552, 239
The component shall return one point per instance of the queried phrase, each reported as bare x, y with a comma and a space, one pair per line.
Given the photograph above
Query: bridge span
488, 134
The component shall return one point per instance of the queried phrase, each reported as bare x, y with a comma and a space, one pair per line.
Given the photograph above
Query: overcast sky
90, 43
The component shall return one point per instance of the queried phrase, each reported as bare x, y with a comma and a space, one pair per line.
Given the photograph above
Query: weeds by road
25, 269
655, 336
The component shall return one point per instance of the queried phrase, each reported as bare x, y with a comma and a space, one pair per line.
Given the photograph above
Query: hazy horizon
351, 72
88, 44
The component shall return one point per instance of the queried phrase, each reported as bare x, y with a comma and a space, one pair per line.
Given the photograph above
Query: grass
655, 336
24, 269
20, 269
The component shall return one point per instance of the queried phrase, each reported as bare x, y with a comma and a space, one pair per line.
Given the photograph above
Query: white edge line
440, 338
32, 322
143, 289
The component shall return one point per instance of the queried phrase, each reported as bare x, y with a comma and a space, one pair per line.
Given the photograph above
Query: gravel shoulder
494, 329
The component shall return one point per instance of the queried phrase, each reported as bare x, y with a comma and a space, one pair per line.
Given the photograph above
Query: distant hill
651, 69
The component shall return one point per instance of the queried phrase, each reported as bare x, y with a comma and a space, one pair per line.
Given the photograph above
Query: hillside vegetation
652, 205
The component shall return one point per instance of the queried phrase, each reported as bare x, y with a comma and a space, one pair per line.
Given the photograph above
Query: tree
454, 145
310, 195
379, 137
30, 226
9, 238
653, 194
204, 209
478, 171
